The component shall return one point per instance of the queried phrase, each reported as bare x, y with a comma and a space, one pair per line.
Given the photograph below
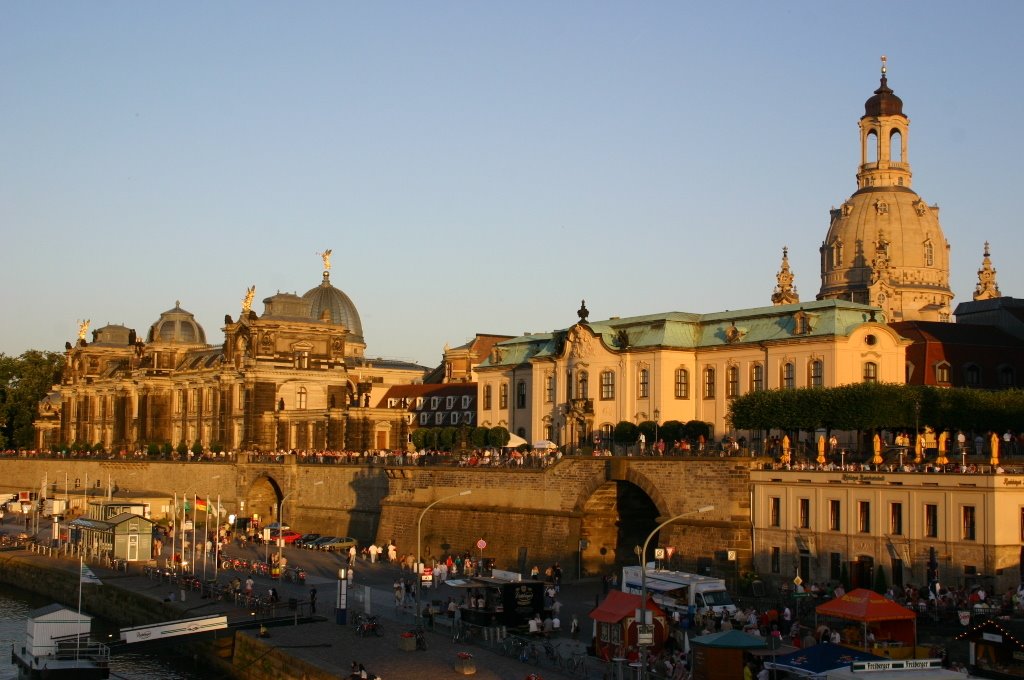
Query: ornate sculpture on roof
326, 257
250, 293
83, 329
580, 341
583, 312
987, 287
785, 292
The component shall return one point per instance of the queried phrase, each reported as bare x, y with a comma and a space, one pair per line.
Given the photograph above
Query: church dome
177, 326
114, 334
884, 102
327, 303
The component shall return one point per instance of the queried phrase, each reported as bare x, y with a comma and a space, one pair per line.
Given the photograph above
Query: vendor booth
868, 621
489, 601
817, 661
615, 625
721, 656
125, 537
996, 648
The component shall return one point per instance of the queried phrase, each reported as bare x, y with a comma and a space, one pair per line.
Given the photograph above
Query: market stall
868, 621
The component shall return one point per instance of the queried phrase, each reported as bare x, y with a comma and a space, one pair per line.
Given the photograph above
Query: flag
86, 576
202, 505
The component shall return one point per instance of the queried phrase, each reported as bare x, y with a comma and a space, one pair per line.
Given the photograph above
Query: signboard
481, 544
797, 581
659, 553
645, 634
731, 555
427, 577
902, 665
162, 631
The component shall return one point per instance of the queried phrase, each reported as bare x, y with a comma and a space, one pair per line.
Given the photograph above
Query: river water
167, 664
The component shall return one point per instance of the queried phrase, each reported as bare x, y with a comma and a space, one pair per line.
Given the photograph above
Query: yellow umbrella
995, 450
918, 448
877, 445
821, 449
785, 449
943, 443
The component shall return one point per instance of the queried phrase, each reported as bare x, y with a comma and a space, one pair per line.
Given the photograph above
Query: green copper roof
682, 330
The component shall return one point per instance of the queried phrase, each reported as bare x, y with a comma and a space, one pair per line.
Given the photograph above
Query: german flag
201, 505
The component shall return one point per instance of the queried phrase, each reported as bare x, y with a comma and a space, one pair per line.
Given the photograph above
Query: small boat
57, 645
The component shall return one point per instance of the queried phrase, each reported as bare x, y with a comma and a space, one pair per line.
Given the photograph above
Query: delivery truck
679, 590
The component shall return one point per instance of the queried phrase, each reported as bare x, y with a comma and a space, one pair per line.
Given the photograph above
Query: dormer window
434, 403
929, 254
449, 403
465, 401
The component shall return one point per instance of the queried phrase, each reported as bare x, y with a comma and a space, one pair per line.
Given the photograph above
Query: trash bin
341, 616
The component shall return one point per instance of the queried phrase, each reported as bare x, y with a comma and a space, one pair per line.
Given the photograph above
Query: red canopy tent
615, 623
890, 623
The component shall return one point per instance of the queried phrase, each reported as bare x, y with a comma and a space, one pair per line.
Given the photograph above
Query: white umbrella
545, 445
514, 440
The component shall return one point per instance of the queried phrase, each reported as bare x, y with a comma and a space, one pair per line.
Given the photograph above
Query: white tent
545, 445
514, 440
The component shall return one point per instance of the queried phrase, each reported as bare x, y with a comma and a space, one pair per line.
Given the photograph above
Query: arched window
521, 394
837, 254
757, 377
300, 398
972, 376
503, 395
896, 146
871, 150
788, 375
709, 383
870, 372
607, 384
732, 382
583, 386
929, 254
643, 384
487, 397
682, 383
1006, 377
816, 373
942, 372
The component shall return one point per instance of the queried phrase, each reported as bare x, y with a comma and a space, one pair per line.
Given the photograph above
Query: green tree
625, 432
697, 428
478, 438
197, 448
24, 381
153, 450
671, 431
446, 438
498, 436
182, 448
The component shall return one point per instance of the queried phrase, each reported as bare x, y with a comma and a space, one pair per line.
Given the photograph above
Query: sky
476, 167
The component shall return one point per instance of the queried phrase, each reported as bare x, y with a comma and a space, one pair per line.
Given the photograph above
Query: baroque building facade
294, 377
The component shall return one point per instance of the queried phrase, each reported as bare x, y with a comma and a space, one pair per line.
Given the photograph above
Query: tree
478, 437
446, 438
672, 431
24, 381
197, 448
498, 436
625, 432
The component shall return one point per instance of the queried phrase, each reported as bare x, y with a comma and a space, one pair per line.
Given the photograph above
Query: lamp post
657, 417
280, 526
419, 556
643, 578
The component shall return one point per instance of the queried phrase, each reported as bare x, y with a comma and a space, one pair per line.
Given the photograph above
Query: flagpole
206, 536
216, 541
174, 529
78, 637
195, 502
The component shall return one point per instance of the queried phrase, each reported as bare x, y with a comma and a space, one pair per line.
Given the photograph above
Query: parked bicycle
369, 625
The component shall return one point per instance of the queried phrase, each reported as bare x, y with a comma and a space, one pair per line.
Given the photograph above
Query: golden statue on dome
83, 329
326, 257
250, 293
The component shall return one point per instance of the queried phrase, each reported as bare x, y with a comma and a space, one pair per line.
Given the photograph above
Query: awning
514, 441
805, 544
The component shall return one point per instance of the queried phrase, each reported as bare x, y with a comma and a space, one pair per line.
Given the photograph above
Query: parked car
320, 541
276, 526
306, 540
289, 536
339, 543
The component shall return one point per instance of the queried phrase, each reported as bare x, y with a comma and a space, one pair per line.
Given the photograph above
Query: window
466, 401
1006, 377
732, 382
682, 383
521, 394
942, 372
931, 520
757, 378
583, 386
929, 254
643, 384
864, 517
816, 377
503, 395
788, 375
241, 397
549, 388
709, 383
834, 516
972, 376
837, 254
193, 400
302, 360
439, 418
424, 418
896, 519
569, 385
467, 417
870, 372
969, 523
449, 403
300, 398
835, 566
776, 566
775, 511
455, 418
607, 384
434, 403
805, 513
487, 397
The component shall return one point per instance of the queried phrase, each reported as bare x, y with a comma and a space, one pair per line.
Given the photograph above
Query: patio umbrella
821, 448
995, 450
876, 443
943, 443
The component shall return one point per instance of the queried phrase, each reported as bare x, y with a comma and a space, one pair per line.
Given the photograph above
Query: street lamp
419, 556
643, 578
657, 417
280, 526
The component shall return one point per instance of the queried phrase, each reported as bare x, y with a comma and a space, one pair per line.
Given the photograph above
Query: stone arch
263, 499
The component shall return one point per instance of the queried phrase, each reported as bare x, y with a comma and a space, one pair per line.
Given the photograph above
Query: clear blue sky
475, 166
